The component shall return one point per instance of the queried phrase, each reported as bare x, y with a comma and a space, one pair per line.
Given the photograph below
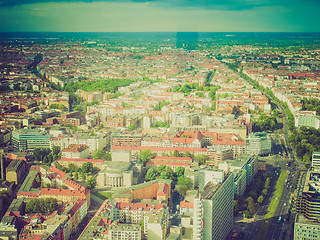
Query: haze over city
160, 15
159, 119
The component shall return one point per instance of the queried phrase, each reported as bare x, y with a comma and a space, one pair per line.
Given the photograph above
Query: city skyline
159, 16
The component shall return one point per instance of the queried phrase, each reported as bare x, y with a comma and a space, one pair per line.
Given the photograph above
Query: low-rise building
159, 189
172, 165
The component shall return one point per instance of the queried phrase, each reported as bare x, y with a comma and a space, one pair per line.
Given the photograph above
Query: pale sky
160, 16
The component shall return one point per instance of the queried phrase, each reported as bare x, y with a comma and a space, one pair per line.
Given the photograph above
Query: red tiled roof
140, 148
80, 160
67, 192
163, 190
173, 158
11, 156
136, 206
168, 163
53, 169
75, 148
186, 204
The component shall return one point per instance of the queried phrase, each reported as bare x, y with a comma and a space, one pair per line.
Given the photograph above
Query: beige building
116, 174
122, 155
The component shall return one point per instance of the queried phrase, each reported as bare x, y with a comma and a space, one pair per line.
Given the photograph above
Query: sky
159, 16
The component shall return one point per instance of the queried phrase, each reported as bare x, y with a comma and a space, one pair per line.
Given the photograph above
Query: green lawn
276, 196
103, 195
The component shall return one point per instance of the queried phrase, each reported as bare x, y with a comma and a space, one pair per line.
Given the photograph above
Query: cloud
235, 5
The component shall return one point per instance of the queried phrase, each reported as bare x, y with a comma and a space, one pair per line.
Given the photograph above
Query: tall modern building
29, 139
213, 210
307, 203
258, 143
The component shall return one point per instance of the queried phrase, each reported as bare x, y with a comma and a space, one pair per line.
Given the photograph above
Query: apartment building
79, 151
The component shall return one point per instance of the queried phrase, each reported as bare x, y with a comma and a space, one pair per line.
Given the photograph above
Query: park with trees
305, 141
180, 182
75, 172
108, 85
312, 104
46, 155
187, 89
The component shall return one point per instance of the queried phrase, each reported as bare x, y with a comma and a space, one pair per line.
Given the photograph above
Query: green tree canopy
151, 175
91, 183
176, 153
87, 167
100, 154
183, 180
260, 199
251, 205
202, 159
167, 173
39, 205
146, 155
179, 171
108, 85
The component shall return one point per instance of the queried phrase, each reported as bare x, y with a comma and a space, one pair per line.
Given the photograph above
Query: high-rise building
213, 210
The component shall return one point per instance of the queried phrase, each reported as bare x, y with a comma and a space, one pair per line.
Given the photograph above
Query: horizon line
153, 32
